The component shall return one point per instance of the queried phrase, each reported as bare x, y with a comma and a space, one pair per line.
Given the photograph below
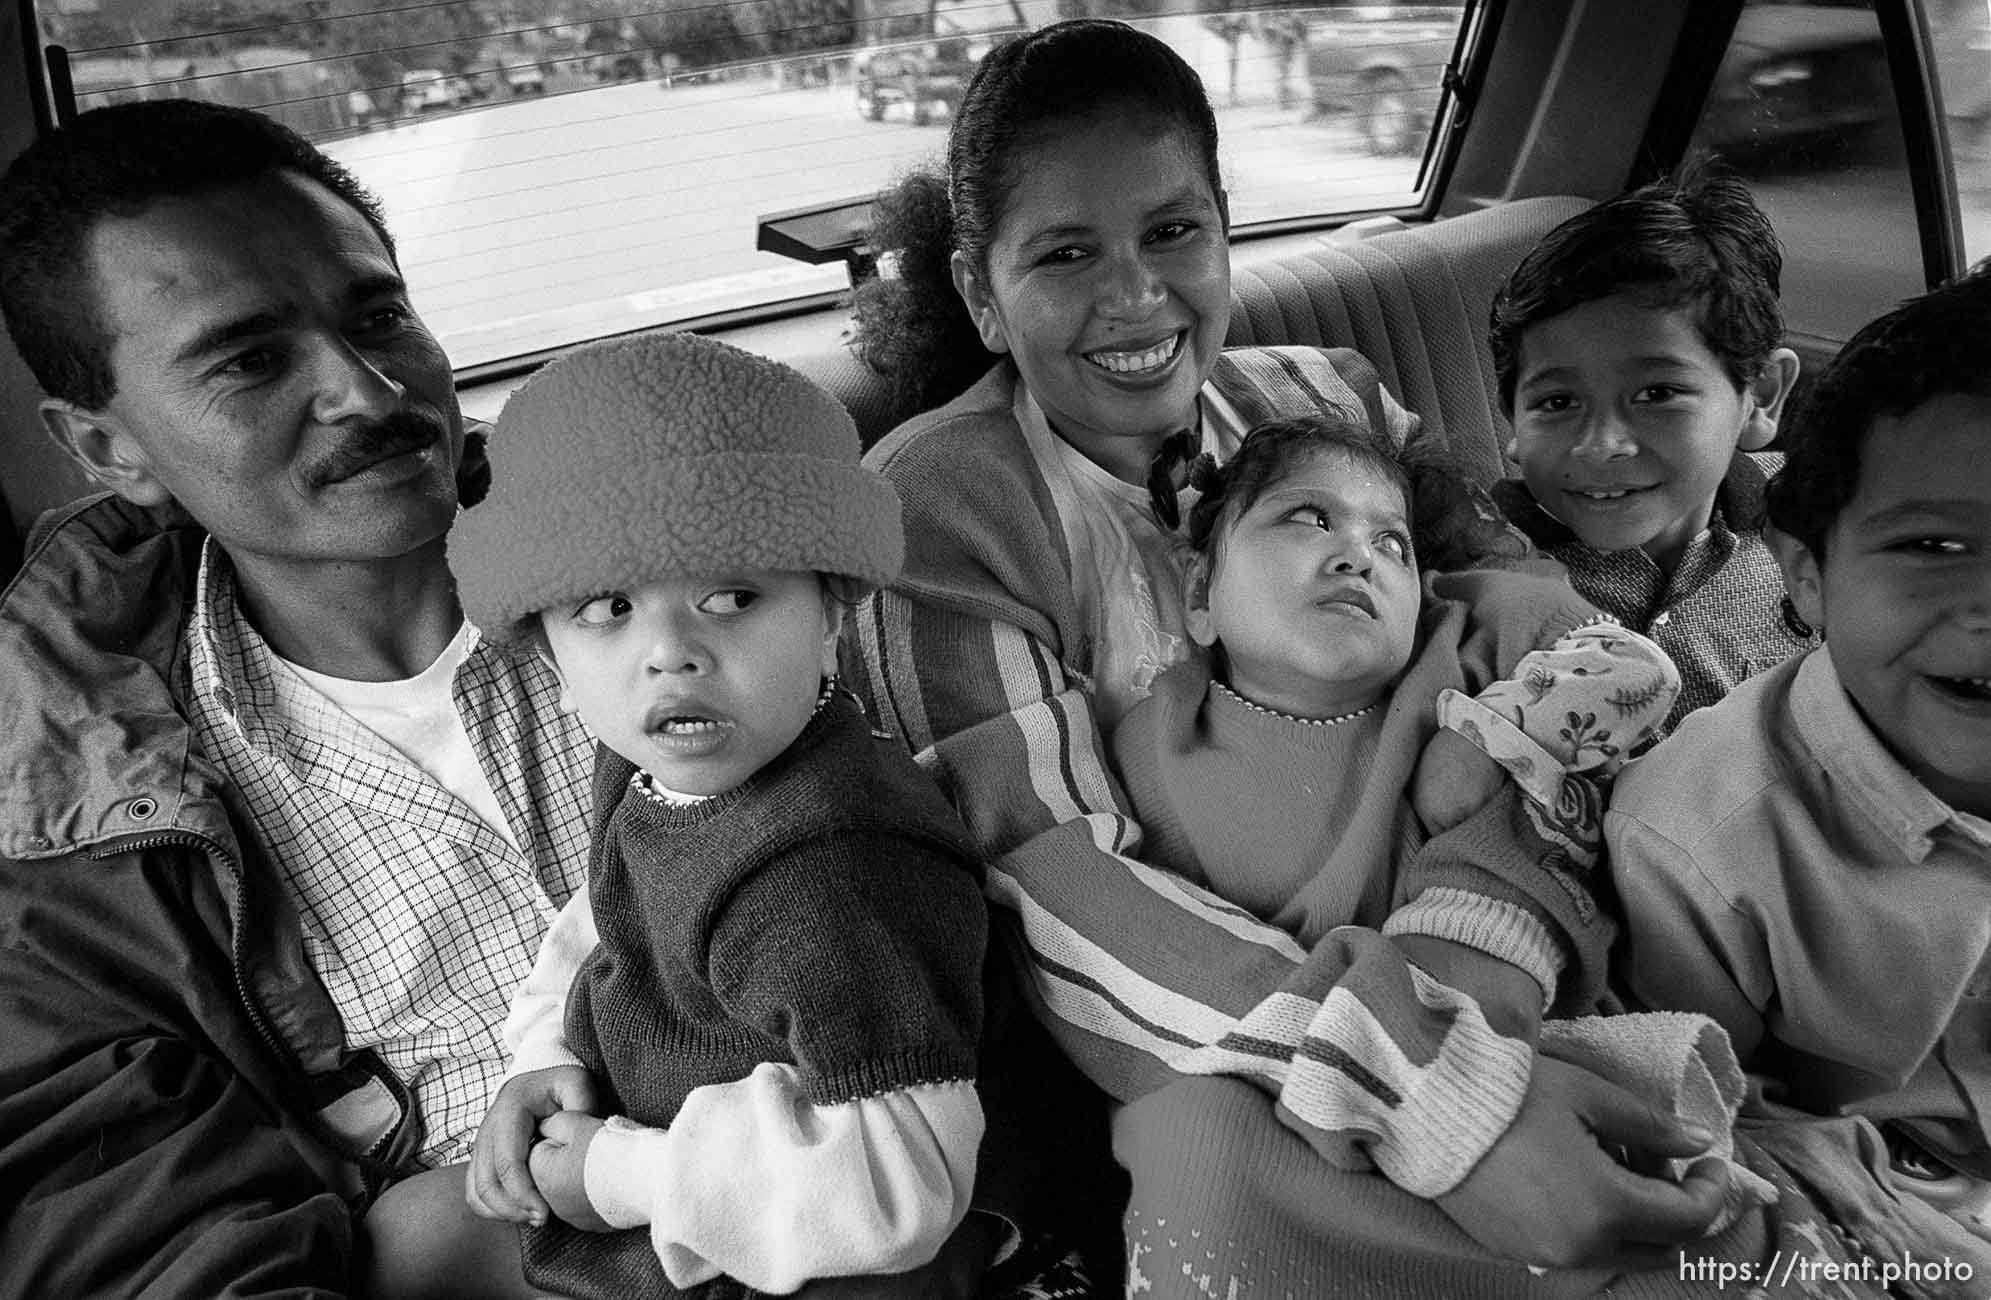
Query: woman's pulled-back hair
910, 324
1450, 528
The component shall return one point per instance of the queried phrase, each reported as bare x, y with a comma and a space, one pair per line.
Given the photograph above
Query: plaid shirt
419, 917
1720, 616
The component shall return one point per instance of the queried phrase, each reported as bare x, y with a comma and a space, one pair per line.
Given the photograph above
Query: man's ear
1804, 578
106, 453
1768, 391
1196, 601
973, 287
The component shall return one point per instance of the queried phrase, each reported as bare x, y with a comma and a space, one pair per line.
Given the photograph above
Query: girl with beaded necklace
1307, 759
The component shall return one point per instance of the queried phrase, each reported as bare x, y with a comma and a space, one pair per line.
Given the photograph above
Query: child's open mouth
674, 725
1606, 494
683, 726
1136, 363
1976, 689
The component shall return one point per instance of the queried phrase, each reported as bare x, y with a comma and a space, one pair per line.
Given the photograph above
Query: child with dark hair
1809, 862
1301, 767
1639, 352
748, 1046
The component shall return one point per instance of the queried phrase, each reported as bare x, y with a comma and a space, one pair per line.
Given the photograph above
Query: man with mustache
279, 833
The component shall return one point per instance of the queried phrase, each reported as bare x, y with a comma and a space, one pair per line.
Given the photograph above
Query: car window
1804, 107
1960, 32
556, 170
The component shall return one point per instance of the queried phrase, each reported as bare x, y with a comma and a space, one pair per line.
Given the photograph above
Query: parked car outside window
928, 79
1384, 66
428, 88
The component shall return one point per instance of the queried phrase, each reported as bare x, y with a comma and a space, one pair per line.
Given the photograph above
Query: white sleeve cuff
622, 1163
755, 1182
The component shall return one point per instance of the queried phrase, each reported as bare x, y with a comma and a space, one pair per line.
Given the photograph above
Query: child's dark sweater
825, 914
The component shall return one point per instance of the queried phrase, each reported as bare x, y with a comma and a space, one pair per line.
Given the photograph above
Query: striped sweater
977, 658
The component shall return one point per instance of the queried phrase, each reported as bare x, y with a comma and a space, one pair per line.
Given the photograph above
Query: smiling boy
1810, 861
1638, 350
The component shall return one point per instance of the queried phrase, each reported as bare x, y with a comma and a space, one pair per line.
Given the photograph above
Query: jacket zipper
237, 915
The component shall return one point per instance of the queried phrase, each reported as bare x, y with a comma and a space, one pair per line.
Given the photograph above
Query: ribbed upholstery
1414, 302
862, 391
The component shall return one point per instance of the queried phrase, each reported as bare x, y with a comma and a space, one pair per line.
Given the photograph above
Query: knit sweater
1309, 826
822, 915
979, 659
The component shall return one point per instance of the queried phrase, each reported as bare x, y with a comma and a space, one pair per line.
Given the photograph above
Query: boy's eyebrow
1919, 509
1669, 360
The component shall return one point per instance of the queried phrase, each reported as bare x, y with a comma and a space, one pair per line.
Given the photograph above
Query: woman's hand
501, 1182
1552, 1191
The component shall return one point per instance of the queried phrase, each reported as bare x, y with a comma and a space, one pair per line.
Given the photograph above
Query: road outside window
556, 170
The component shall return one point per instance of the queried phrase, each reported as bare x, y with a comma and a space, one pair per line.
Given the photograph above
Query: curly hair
1928, 346
117, 161
1451, 524
911, 326
1697, 239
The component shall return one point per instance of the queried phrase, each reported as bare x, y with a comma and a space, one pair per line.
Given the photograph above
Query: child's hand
500, 1185
1550, 1191
559, 1161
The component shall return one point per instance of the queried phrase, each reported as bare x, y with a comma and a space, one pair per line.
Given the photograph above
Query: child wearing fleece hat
780, 1001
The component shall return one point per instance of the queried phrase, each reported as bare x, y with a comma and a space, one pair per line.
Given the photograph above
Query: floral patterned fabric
1584, 705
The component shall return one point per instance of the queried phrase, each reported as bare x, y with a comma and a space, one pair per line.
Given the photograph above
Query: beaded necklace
1335, 721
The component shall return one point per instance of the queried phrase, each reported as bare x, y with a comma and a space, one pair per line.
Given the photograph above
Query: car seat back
1415, 302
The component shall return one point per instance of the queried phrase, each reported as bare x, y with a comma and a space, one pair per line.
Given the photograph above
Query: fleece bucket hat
626, 461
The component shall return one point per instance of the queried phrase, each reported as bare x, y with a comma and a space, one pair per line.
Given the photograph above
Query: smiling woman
1110, 285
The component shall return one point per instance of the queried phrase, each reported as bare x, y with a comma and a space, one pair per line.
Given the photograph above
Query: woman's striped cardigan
978, 660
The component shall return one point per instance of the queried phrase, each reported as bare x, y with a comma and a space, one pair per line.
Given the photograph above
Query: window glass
1961, 33
560, 169
1803, 107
